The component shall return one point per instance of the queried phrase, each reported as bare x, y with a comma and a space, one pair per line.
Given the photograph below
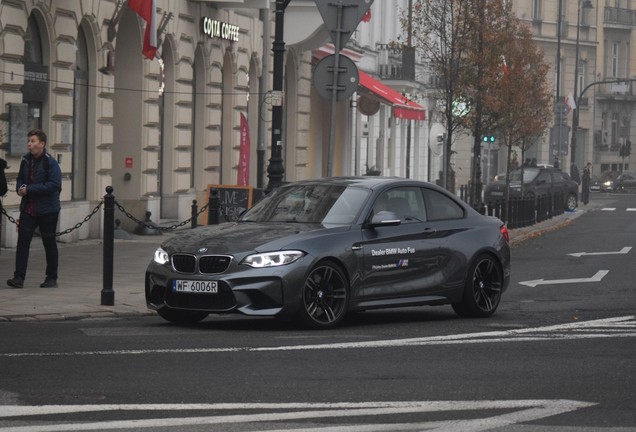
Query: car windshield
316, 204
528, 175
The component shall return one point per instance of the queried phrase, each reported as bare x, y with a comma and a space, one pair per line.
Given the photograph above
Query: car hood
238, 237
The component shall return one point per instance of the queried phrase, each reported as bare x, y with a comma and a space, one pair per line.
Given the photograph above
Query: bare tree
439, 31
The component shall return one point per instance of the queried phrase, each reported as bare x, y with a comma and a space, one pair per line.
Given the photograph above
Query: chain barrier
123, 210
157, 227
66, 231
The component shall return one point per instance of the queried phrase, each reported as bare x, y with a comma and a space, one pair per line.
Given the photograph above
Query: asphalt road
557, 356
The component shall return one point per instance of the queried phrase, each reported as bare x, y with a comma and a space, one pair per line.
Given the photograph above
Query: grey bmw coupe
317, 249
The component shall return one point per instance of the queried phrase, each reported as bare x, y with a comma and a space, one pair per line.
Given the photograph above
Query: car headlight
607, 183
161, 256
273, 259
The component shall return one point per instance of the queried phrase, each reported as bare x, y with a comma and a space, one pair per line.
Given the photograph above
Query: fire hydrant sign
129, 162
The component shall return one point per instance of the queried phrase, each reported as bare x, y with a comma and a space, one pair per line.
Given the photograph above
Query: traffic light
488, 138
628, 148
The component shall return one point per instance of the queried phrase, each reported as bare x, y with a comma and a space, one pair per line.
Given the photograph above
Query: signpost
341, 19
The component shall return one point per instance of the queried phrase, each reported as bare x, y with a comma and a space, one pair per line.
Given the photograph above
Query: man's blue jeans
48, 225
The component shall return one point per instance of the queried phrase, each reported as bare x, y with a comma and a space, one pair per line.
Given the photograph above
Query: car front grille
207, 264
211, 264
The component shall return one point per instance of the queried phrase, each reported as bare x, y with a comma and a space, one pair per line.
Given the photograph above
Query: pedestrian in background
585, 186
39, 184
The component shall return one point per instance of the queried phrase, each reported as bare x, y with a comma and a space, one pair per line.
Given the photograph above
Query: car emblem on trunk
202, 250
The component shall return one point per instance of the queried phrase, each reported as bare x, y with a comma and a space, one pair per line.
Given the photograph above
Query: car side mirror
385, 218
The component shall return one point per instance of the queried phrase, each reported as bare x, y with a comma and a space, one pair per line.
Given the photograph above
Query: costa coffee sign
219, 29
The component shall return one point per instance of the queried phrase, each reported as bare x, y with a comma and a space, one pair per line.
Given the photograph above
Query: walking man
39, 183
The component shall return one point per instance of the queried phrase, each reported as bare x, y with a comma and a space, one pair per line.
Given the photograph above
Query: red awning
402, 107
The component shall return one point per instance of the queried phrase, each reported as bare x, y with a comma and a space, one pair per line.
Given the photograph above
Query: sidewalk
81, 276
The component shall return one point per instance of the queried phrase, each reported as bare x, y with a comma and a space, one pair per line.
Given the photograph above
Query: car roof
370, 182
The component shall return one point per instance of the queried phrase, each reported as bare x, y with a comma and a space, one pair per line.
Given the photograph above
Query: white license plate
196, 287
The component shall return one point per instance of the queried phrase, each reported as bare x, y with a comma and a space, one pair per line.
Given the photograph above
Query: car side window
544, 178
559, 178
405, 202
440, 206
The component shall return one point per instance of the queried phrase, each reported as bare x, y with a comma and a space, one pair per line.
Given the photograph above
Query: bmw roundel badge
203, 250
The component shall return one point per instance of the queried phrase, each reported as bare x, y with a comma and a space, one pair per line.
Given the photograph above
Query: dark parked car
625, 182
318, 249
537, 181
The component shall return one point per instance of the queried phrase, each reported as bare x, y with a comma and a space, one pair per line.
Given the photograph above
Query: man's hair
39, 133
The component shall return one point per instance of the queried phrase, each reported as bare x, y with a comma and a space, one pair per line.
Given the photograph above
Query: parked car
318, 249
537, 181
596, 183
626, 181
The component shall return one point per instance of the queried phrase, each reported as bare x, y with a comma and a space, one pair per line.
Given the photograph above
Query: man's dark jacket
46, 186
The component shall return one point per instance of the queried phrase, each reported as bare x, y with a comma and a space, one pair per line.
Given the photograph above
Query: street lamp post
586, 4
276, 170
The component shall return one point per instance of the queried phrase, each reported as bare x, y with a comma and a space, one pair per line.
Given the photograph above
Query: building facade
160, 131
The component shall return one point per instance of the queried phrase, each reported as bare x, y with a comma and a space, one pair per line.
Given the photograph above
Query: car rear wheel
181, 317
324, 297
482, 291
570, 203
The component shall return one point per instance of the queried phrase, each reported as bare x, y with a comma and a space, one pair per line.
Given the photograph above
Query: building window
536, 9
580, 85
614, 62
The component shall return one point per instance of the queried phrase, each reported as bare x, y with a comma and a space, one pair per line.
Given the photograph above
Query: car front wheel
571, 203
482, 291
324, 297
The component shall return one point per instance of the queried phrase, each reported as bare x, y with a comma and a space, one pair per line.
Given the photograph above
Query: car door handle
356, 247
429, 231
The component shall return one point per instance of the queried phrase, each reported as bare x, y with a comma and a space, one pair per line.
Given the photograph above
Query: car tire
571, 202
482, 290
324, 297
181, 317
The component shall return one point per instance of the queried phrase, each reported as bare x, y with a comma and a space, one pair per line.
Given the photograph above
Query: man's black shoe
16, 282
49, 283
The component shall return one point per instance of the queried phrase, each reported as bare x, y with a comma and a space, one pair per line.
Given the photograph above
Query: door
400, 261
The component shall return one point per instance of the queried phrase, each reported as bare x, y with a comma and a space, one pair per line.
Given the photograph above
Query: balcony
619, 18
396, 63
619, 90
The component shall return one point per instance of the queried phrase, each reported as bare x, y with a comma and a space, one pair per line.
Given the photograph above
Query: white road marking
608, 209
596, 278
603, 328
522, 411
623, 251
631, 209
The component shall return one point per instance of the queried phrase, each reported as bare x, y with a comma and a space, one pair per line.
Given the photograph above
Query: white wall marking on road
596, 278
526, 410
623, 251
604, 328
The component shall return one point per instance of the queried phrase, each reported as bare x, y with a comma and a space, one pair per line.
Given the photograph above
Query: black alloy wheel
482, 292
324, 297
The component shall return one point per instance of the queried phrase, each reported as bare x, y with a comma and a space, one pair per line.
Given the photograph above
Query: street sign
347, 75
352, 12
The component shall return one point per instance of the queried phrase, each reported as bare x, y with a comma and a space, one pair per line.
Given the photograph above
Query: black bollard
214, 207
193, 214
108, 295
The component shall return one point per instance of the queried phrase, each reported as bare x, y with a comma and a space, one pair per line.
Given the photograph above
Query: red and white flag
243, 175
367, 16
570, 102
146, 9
